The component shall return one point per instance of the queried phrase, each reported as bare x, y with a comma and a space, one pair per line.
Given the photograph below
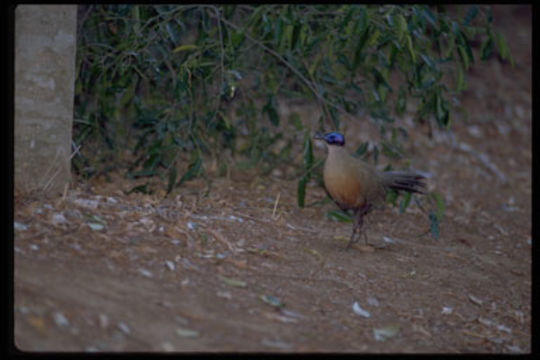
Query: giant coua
356, 185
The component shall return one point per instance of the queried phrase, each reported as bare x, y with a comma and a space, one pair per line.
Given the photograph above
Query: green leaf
271, 111
193, 170
295, 33
401, 102
439, 205
339, 215
410, 48
504, 52
278, 30
334, 115
184, 48
301, 191
143, 188
172, 179
361, 150
308, 164
460, 79
308, 156
464, 57
294, 118
374, 37
486, 49
391, 196
375, 155
362, 39
442, 114
471, 14
433, 225
405, 201
237, 37
400, 27
391, 150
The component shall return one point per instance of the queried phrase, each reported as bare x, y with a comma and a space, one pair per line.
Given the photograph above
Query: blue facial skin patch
334, 138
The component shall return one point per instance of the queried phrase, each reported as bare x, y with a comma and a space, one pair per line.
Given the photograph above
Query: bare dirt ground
237, 270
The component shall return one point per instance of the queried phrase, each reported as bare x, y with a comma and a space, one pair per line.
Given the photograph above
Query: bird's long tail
400, 180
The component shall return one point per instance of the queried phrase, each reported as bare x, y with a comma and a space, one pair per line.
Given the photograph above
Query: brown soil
244, 269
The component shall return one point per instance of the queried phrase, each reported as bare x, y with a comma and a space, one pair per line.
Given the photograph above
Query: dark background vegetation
161, 89
226, 261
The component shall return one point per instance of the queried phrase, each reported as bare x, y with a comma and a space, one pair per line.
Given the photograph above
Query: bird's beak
318, 136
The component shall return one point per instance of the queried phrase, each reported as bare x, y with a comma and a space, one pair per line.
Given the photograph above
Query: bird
356, 185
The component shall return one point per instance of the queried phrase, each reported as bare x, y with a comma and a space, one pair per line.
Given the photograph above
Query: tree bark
45, 45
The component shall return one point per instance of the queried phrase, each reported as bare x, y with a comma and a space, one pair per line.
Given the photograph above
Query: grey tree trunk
45, 39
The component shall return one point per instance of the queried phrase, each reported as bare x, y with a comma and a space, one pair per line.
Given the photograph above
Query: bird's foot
351, 243
380, 246
362, 247
376, 246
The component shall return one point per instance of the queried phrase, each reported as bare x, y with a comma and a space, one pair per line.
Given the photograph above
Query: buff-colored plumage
356, 185
350, 182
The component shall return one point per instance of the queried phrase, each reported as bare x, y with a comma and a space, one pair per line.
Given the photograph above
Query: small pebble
224, 294
485, 322
388, 240
359, 311
124, 327
519, 111
504, 328
96, 226
60, 319
87, 203
58, 219
514, 348
103, 321
170, 265
186, 332
167, 346
112, 200
475, 300
145, 272
496, 340
475, 131
232, 217
20, 226
276, 344
447, 310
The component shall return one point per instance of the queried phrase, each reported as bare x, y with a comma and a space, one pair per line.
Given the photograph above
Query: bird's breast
344, 187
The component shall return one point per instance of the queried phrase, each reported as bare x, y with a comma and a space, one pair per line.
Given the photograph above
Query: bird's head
332, 138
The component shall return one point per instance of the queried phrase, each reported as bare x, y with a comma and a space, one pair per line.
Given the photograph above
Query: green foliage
339, 215
308, 165
435, 213
173, 83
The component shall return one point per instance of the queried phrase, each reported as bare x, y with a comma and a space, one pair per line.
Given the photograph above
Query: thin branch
219, 18
291, 67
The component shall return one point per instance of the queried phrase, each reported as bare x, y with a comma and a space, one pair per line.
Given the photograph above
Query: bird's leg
357, 224
365, 209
